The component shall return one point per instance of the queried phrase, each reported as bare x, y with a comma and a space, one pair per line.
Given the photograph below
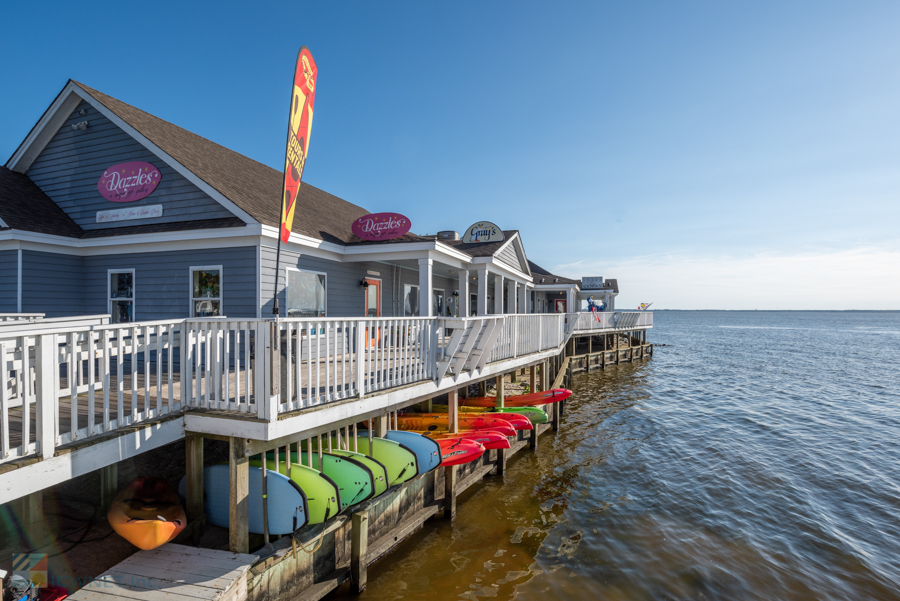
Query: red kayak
474, 421
521, 400
456, 451
488, 438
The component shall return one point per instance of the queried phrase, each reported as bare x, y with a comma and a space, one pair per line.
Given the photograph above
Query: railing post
46, 356
261, 370
359, 543
274, 372
360, 358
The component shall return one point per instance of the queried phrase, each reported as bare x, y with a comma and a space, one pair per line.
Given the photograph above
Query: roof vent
448, 235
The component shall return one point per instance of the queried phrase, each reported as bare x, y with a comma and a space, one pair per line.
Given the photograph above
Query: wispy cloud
861, 278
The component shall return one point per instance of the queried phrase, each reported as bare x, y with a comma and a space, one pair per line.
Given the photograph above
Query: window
121, 296
206, 291
438, 304
410, 300
305, 293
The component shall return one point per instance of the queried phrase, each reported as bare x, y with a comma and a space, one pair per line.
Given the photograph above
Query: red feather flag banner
303, 97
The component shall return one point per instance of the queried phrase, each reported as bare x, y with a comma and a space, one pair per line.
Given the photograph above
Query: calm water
756, 457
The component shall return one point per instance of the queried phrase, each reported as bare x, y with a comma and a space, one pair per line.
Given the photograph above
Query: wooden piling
532, 378
238, 496
450, 492
359, 543
500, 382
193, 452
453, 410
109, 486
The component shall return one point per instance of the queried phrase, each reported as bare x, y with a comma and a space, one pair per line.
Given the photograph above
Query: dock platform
173, 573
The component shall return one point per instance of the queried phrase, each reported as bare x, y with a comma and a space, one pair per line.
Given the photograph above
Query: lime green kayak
355, 481
400, 462
322, 493
379, 472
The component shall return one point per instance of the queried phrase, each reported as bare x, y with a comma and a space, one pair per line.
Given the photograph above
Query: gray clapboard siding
509, 256
162, 281
68, 169
52, 283
344, 296
9, 280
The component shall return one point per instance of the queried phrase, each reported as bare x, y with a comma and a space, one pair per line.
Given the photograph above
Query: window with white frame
121, 295
410, 300
306, 293
206, 291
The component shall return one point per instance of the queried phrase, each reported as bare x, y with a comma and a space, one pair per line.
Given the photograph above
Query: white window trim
287, 283
418, 297
109, 299
221, 297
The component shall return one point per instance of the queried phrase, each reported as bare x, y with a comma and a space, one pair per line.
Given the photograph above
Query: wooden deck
173, 573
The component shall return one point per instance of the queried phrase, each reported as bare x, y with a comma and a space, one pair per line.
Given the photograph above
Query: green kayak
400, 462
355, 481
322, 493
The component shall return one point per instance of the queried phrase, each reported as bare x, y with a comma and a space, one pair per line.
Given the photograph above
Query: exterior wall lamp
364, 283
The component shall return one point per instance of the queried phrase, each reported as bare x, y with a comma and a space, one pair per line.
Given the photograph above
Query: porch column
482, 292
463, 293
511, 296
606, 301
523, 298
498, 294
570, 301
426, 296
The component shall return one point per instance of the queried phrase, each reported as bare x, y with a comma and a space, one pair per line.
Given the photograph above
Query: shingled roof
24, 206
481, 249
542, 276
252, 186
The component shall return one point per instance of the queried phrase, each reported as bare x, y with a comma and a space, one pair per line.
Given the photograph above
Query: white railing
526, 334
589, 322
56, 388
20, 317
59, 386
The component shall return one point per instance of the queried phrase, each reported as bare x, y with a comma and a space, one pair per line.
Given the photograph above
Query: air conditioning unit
448, 235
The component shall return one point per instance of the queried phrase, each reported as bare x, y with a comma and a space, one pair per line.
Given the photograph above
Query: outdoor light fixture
364, 283
81, 125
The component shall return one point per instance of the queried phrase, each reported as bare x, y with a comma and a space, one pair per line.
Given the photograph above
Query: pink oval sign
127, 182
381, 226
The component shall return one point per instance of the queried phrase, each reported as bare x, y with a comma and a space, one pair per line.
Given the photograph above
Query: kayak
287, 505
379, 472
521, 400
355, 481
147, 513
456, 451
537, 416
323, 496
476, 421
400, 460
437, 427
487, 438
428, 452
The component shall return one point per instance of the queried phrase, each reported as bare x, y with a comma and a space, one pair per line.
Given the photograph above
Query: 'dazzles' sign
381, 226
483, 231
127, 182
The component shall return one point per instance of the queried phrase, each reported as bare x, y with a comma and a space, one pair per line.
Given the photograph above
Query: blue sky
707, 154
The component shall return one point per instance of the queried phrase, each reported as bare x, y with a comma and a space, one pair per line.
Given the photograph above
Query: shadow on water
754, 458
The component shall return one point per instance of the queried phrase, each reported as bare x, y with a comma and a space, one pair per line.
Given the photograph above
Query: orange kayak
456, 451
488, 438
147, 513
477, 421
441, 421
521, 400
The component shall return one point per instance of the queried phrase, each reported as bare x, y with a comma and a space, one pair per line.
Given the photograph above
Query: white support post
45, 393
360, 359
511, 296
482, 292
523, 298
463, 301
498, 294
570, 301
426, 296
